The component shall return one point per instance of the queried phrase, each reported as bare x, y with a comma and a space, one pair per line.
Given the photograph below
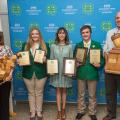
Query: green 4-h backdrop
49, 15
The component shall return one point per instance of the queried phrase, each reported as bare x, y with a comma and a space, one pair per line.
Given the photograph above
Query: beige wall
0, 25
4, 21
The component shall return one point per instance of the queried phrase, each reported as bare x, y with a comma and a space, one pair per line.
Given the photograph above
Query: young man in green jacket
87, 74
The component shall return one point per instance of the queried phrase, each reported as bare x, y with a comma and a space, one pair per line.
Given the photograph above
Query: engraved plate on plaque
81, 55
94, 56
39, 55
24, 58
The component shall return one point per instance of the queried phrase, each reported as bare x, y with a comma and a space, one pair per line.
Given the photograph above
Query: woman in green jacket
35, 74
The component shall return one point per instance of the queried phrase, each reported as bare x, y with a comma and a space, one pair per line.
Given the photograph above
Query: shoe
109, 117
39, 118
13, 114
63, 114
79, 116
93, 117
32, 118
59, 115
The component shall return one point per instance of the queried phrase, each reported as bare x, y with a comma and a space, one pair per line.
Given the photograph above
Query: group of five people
35, 75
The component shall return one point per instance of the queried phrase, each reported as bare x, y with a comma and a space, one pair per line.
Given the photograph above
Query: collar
87, 44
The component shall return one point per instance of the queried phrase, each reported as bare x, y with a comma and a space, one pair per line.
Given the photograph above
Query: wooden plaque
24, 58
94, 56
39, 55
113, 63
81, 55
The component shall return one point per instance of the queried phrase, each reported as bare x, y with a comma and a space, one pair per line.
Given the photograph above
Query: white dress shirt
36, 46
87, 44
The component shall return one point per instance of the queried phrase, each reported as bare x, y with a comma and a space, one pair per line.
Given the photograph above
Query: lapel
32, 57
81, 45
92, 46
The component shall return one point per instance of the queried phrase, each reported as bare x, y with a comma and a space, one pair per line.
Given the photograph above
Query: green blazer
39, 69
88, 71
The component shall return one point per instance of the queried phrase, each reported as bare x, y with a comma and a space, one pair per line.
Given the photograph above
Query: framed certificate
52, 66
69, 66
39, 55
81, 55
23, 58
94, 56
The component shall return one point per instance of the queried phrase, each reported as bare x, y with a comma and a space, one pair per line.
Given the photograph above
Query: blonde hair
30, 41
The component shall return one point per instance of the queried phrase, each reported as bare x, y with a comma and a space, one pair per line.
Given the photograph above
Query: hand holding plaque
94, 56
52, 66
81, 55
69, 67
39, 56
23, 58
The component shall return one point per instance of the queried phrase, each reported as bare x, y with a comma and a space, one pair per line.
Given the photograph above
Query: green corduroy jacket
39, 69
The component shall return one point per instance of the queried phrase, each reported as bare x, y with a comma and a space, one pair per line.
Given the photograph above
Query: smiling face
117, 20
35, 35
61, 36
86, 35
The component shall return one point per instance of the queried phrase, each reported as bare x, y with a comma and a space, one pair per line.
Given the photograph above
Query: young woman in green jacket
35, 74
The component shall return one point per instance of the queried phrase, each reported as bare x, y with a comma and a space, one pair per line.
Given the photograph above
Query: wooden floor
22, 110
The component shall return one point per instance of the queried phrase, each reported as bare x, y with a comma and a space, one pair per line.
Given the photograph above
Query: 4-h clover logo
106, 25
50, 41
36, 25
70, 26
51, 10
16, 10
88, 8
18, 75
18, 44
70, 92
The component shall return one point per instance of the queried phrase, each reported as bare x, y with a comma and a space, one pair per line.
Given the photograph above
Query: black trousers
112, 84
4, 100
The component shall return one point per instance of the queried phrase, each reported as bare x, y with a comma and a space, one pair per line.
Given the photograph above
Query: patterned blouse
5, 51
